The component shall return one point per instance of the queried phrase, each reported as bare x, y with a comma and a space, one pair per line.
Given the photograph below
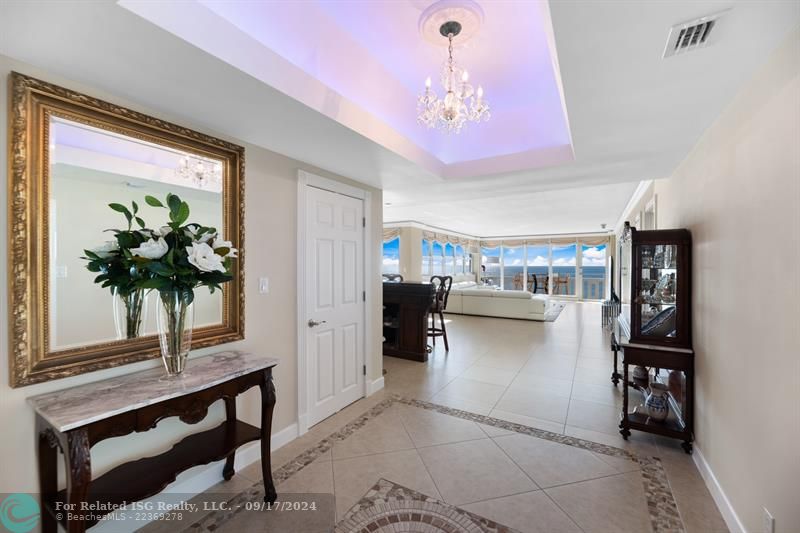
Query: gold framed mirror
70, 155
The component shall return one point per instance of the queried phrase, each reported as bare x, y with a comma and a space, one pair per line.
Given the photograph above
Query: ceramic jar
657, 402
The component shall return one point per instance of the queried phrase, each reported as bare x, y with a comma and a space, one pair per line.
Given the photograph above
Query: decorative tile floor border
661, 505
388, 508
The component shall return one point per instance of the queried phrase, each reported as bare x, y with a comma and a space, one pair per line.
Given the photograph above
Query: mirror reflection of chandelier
201, 172
461, 102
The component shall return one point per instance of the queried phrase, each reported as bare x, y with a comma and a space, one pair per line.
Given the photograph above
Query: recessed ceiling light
387, 203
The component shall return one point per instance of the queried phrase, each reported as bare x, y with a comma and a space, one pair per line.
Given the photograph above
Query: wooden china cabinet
653, 331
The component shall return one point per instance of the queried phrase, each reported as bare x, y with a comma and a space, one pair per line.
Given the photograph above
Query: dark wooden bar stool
443, 284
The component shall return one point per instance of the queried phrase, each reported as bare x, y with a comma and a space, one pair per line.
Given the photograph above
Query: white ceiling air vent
692, 35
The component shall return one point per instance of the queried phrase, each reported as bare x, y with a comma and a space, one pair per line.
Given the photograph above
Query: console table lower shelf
136, 403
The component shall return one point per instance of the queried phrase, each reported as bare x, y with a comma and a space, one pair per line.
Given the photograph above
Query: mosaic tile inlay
664, 516
390, 508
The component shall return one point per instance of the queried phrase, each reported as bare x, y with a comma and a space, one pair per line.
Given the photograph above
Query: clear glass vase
130, 312
175, 323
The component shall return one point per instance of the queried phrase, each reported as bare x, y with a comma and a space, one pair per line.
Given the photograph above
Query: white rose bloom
219, 243
163, 231
106, 249
151, 249
203, 257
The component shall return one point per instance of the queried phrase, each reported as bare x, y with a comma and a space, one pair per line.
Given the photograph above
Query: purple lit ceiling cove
364, 63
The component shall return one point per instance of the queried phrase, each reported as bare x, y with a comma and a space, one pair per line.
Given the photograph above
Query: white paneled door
334, 301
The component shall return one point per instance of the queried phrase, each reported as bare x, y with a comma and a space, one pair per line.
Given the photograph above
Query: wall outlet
769, 522
263, 285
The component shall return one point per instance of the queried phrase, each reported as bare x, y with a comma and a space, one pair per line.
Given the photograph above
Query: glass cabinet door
657, 296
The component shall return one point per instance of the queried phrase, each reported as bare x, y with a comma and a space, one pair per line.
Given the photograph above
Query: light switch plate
263, 285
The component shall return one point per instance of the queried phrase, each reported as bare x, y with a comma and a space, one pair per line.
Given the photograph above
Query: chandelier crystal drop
201, 172
460, 103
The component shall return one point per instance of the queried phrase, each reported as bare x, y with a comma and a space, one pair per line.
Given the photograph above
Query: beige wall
411, 253
270, 223
739, 193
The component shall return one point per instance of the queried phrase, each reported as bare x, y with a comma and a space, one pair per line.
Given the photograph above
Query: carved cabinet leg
267, 406
79, 475
230, 413
47, 457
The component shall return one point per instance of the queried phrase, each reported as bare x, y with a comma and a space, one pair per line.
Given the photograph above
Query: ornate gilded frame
32, 103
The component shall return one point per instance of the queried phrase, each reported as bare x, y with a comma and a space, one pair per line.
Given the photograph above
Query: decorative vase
175, 323
657, 403
130, 311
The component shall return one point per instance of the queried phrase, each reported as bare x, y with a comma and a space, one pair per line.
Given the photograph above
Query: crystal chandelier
460, 103
201, 172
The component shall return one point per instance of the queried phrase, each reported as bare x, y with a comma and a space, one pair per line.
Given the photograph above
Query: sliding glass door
593, 271
564, 261
564, 268
490, 263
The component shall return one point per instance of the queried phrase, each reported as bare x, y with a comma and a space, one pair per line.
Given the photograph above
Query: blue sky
563, 255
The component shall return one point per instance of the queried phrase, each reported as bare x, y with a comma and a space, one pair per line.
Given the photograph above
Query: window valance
445, 238
591, 240
390, 234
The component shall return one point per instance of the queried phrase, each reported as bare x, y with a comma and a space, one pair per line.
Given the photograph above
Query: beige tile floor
550, 375
554, 376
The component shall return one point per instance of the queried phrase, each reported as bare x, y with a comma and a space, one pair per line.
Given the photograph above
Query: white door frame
305, 180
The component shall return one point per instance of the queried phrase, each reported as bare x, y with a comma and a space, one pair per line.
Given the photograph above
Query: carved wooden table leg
230, 412
79, 475
267, 406
47, 456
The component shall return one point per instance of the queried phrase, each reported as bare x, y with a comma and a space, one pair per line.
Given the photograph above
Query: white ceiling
632, 115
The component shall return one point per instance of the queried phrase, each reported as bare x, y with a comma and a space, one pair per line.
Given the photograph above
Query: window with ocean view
437, 258
490, 259
593, 261
391, 257
459, 259
559, 268
564, 259
538, 264
449, 260
513, 267
426, 258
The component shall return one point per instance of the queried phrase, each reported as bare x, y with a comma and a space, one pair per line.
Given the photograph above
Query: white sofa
469, 298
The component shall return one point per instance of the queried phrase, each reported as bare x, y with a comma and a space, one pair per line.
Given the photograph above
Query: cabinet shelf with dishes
653, 332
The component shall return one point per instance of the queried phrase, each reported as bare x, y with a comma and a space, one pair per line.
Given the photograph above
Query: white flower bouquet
174, 260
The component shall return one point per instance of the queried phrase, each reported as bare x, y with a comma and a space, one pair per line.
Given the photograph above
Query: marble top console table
73, 420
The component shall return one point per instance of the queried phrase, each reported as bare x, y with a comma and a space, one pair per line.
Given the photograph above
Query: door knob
312, 322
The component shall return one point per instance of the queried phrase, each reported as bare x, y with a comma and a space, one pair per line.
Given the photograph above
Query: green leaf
135, 207
154, 283
182, 213
174, 202
126, 240
120, 208
160, 268
140, 221
153, 201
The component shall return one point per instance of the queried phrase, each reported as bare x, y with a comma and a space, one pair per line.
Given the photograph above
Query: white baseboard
723, 503
302, 424
374, 386
187, 486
